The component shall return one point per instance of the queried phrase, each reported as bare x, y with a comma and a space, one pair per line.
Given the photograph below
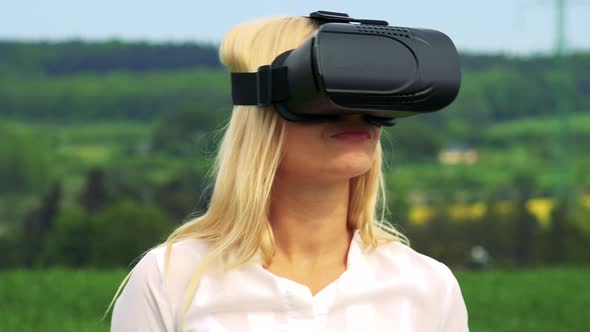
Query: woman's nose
351, 118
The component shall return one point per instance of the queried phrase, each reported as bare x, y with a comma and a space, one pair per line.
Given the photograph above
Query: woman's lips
352, 137
353, 134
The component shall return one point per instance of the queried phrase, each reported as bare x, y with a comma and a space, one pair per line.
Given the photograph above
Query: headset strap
264, 87
323, 16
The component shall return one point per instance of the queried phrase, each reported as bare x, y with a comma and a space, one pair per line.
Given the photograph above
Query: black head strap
265, 87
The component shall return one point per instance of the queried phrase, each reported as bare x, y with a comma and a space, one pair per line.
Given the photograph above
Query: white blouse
391, 289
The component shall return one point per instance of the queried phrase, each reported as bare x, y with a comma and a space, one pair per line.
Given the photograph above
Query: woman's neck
309, 222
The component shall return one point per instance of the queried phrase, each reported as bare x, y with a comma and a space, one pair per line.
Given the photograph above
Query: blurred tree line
59, 208
507, 231
77, 56
79, 81
108, 225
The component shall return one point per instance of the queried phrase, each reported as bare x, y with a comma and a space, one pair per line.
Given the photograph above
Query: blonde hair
236, 222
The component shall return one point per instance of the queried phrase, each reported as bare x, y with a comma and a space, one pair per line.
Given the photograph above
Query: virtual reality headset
356, 66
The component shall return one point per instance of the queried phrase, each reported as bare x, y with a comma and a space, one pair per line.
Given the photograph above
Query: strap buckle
323, 16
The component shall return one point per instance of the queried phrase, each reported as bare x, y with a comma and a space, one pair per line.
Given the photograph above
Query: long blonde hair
236, 222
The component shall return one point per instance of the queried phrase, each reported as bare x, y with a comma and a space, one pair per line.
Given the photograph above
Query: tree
12, 249
526, 231
124, 230
69, 242
187, 131
565, 241
495, 232
186, 192
25, 165
409, 141
94, 196
39, 222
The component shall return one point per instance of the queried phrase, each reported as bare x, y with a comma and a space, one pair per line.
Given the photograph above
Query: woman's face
329, 151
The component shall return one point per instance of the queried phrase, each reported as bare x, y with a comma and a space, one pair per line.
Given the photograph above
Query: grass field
543, 300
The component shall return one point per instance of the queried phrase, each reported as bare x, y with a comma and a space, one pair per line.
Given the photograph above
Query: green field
550, 299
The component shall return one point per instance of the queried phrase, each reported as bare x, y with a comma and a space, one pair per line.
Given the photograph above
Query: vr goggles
357, 66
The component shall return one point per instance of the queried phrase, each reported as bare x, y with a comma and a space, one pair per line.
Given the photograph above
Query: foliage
69, 242
117, 95
186, 132
130, 131
75, 56
125, 230
24, 162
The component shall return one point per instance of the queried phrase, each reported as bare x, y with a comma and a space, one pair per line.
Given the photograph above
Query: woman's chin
348, 170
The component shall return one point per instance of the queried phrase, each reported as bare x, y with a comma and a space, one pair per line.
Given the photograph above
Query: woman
290, 241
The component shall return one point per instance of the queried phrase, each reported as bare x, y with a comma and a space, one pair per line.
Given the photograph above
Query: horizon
535, 54
524, 27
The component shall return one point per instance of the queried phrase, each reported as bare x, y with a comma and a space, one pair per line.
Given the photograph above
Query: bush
25, 165
69, 243
123, 231
11, 249
111, 237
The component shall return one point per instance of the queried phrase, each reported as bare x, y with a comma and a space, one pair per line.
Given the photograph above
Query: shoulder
152, 294
404, 261
428, 278
182, 256
170, 273
424, 279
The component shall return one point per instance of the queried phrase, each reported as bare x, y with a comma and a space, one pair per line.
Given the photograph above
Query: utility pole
563, 89
560, 42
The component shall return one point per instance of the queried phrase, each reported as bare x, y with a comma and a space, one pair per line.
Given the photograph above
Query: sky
499, 26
